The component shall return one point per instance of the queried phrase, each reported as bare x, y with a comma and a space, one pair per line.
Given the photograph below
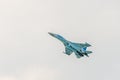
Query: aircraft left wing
68, 51
82, 45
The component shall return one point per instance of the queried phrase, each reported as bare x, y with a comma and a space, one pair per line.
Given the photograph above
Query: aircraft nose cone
50, 33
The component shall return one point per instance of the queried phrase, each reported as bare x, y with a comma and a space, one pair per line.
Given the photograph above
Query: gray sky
27, 52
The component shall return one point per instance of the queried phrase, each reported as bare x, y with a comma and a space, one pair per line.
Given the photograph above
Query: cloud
38, 73
7, 77
33, 72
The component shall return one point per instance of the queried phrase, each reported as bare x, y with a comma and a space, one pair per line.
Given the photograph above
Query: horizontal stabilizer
88, 52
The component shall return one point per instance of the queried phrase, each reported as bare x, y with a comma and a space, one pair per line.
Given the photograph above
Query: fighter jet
80, 49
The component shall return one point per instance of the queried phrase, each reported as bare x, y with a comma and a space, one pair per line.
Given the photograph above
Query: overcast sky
27, 52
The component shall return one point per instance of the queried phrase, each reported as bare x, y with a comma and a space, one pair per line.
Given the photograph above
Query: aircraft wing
68, 51
82, 45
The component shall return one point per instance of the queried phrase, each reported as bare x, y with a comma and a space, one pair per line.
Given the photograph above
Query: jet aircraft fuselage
78, 48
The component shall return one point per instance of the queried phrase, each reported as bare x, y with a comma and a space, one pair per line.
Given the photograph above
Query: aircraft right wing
68, 51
